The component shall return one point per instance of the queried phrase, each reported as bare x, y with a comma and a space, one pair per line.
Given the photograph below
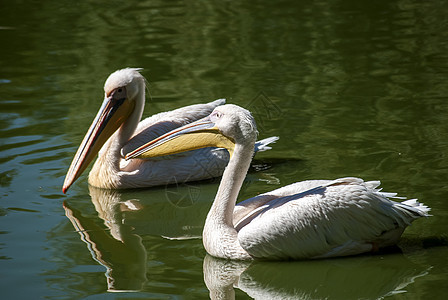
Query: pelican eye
216, 115
119, 93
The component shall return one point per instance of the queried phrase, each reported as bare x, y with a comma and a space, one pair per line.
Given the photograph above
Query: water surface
352, 89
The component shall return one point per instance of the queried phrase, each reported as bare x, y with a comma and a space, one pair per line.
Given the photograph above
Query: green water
352, 88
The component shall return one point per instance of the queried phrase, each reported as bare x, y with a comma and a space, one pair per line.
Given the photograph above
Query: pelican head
227, 126
122, 108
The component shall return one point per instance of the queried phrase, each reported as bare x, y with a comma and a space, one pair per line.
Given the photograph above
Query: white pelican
310, 219
116, 128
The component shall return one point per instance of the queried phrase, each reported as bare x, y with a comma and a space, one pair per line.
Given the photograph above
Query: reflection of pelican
153, 212
129, 217
310, 219
134, 223
354, 278
117, 127
121, 252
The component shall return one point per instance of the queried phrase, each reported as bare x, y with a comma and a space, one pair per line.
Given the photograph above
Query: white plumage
324, 219
309, 219
117, 130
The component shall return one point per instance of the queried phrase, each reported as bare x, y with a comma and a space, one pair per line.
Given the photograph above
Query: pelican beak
115, 109
200, 134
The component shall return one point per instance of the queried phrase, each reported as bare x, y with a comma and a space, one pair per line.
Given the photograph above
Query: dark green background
353, 88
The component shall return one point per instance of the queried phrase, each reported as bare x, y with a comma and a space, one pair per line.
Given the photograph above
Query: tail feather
410, 209
419, 208
262, 145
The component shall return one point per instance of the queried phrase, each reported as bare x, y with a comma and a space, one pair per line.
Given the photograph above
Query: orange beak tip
64, 189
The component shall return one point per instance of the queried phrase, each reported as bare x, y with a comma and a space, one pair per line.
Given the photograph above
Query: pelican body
304, 220
116, 130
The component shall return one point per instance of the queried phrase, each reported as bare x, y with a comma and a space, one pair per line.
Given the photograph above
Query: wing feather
321, 220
